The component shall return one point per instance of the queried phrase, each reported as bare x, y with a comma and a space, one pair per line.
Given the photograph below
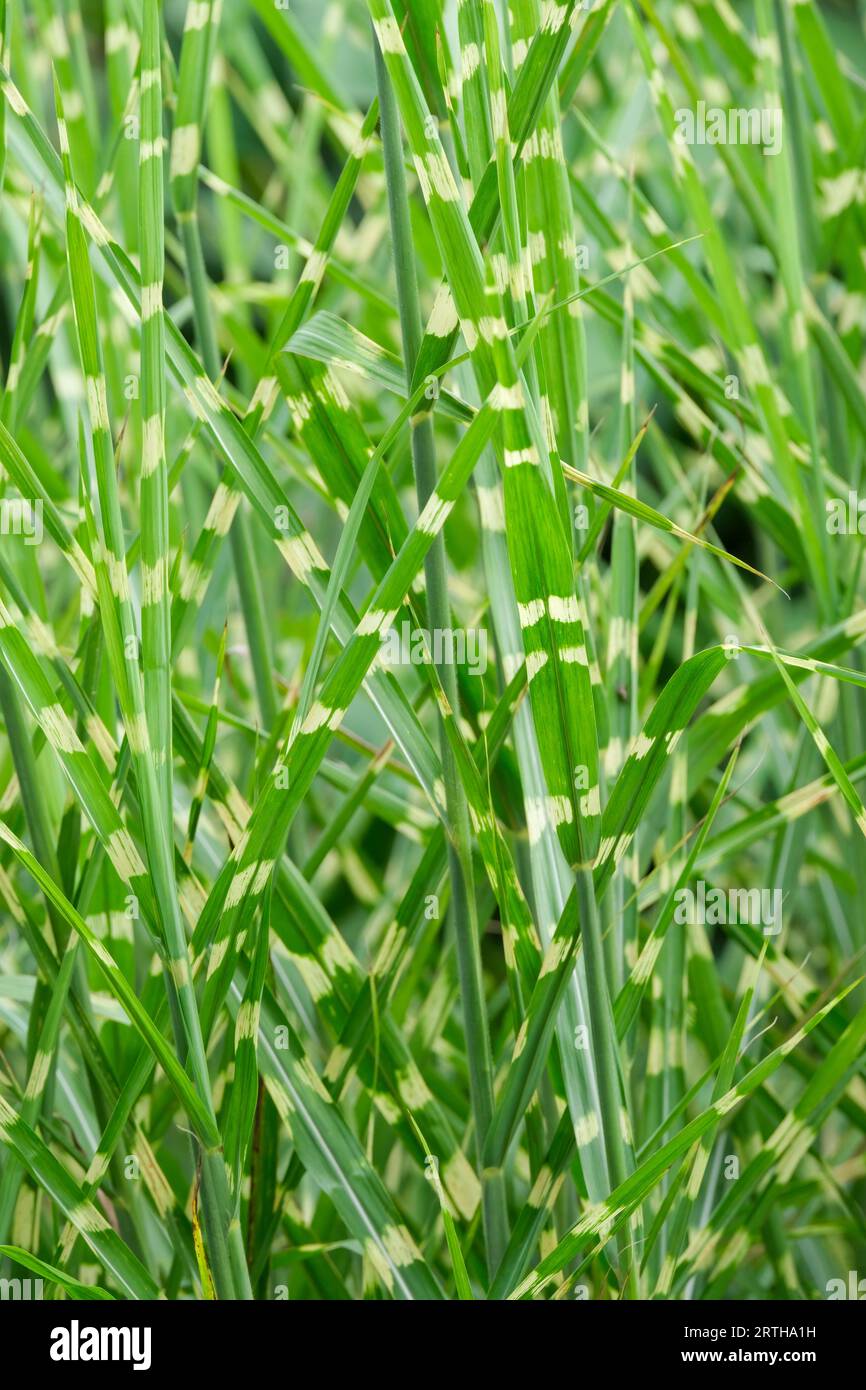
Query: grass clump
431, 687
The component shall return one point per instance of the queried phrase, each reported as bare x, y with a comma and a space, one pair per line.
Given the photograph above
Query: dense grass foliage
431, 684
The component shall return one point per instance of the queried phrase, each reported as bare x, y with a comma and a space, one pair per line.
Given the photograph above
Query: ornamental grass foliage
431, 680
